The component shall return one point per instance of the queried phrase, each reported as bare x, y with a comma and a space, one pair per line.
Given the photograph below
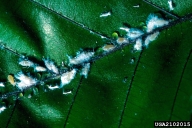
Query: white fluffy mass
81, 58
2, 84
53, 87
25, 81
50, 66
151, 38
170, 3
138, 45
39, 68
2, 109
154, 21
134, 33
85, 70
67, 77
25, 62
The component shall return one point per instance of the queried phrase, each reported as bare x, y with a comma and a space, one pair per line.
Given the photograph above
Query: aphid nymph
81, 58
154, 21
2, 108
2, 84
25, 81
67, 77
122, 40
134, 33
25, 62
151, 38
51, 66
138, 44
85, 70
11, 80
170, 3
105, 14
38, 68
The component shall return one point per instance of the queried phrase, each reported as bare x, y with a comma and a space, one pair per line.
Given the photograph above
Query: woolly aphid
53, 87
122, 40
67, 77
154, 21
138, 44
2, 84
85, 70
151, 38
25, 81
134, 33
105, 14
108, 47
81, 58
170, 3
25, 62
51, 66
38, 68
2, 109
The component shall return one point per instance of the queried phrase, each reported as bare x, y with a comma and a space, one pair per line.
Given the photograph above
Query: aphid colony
152, 22
135, 34
23, 81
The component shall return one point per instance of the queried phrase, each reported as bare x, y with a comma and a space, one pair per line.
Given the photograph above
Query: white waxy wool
51, 66
53, 87
122, 40
138, 44
108, 47
125, 29
2, 109
65, 93
154, 22
81, 58
151, 38
25, 81
134, 33
2, 84
105, 14
85, 70
67, 77
170, 3
39, 68
25, 62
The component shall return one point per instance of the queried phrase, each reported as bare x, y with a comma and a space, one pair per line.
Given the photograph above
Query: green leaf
127, 88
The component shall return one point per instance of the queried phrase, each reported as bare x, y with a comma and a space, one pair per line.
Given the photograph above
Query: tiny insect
138, 45
85, 70
108, 47
136, 6
105, 14
170, 3
51, 66
134, 33
122, 40
25, 62
2, 108
67, 77
154, 21
151, 38
25, 81
38, 68
81, 58
11, 80
69, 92
2, 84
53, 87
125, 29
